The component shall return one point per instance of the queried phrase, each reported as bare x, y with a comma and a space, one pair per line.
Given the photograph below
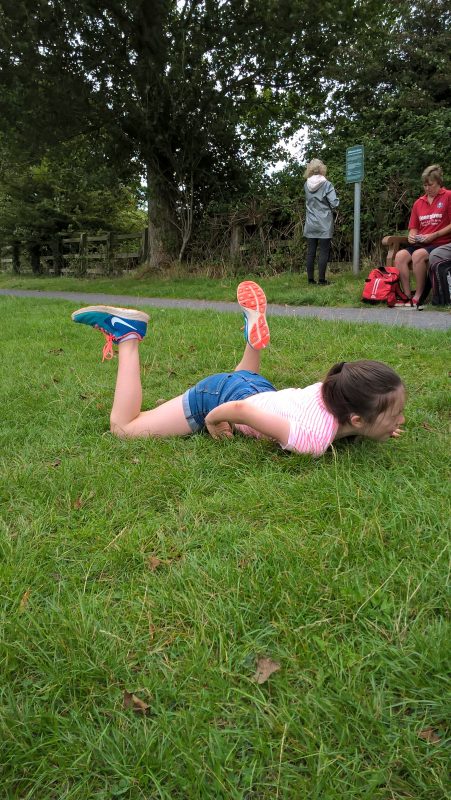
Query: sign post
354, 174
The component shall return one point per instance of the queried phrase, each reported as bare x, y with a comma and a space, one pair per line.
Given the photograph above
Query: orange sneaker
252, 300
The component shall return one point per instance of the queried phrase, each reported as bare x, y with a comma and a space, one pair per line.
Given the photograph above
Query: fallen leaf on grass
80, 501
265, 668
428, 427
55, 463
429, 735
133, 702
24, 599
154, 562
56, 350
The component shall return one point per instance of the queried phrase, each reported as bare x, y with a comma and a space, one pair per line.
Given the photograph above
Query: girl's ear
357, 421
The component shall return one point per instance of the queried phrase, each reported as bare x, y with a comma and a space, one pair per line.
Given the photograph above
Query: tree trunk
163, 243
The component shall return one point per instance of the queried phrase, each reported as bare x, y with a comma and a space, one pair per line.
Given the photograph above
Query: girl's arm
240, 412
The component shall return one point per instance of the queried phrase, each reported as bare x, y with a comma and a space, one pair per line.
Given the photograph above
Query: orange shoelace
107, 352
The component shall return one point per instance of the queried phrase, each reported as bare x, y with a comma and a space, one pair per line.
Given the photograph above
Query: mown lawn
166, 569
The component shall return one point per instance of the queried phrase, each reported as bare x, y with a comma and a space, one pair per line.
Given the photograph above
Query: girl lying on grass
364, 398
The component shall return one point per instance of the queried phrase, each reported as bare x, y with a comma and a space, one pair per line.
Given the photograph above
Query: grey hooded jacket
320, 200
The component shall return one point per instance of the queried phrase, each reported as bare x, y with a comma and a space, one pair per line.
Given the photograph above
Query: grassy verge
290, 288
167, 568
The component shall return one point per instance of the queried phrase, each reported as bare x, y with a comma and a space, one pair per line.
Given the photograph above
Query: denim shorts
220, 388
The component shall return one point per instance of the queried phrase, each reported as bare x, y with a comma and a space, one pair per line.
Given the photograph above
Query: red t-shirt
430, 217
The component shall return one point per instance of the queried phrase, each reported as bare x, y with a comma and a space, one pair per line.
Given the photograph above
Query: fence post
109, 245
144, 245
16, 257
83, 249
57, 250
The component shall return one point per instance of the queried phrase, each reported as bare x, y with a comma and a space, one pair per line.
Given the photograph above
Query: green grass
288, 287
336, 568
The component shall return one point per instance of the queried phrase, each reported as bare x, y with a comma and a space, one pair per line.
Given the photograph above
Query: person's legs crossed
403, 262
420, 263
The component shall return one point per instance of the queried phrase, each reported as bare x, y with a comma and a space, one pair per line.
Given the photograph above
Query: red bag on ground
382, 286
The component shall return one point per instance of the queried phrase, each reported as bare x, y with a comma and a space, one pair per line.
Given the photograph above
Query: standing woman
320, 200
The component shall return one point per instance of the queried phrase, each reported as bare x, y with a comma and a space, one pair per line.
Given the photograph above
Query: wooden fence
108, 253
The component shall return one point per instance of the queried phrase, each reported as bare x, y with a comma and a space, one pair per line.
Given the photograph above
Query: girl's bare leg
250, 360
126, 417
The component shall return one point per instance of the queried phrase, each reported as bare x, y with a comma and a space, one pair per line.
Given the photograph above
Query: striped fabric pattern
312, 427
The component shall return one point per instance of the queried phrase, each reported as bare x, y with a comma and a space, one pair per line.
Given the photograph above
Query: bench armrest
393, 243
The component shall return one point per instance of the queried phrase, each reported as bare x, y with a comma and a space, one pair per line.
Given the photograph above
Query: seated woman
429, 227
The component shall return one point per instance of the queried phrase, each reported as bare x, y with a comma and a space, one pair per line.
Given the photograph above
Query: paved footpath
429, 320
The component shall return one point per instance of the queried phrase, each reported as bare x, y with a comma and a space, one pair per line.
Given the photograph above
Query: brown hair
359, 387
433, 174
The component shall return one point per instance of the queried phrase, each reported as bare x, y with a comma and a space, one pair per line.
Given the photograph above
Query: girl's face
431, 189
387, 423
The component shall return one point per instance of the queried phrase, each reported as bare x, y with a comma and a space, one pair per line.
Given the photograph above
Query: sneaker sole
115, 311
252, 300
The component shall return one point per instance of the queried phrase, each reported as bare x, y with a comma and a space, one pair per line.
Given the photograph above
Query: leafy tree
197, 92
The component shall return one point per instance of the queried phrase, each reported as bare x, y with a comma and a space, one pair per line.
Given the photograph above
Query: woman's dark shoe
324, 283
312, 280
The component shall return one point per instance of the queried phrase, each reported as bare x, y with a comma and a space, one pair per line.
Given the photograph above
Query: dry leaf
56, 350
427, 426
80, 501
133, 702
56, 463
154, 562
265, 668
160, 401
24, 599
429, 735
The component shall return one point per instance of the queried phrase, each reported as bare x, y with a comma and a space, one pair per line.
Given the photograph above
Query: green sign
354, 163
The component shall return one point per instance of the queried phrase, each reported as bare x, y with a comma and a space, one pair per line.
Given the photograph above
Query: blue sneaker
116, 324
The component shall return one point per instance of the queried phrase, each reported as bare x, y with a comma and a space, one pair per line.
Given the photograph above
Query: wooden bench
393, 243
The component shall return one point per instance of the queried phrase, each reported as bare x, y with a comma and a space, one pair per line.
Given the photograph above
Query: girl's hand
219, 430
397, 433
